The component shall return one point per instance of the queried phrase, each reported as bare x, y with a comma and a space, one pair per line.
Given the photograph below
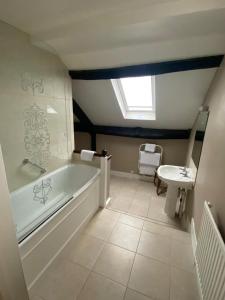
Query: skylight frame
138, 112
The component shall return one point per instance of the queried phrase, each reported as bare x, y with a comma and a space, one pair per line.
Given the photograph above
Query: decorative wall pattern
42, 191
36, 135
32, 81
28, 82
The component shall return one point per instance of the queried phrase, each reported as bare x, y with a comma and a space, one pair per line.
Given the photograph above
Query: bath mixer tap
183, 168
184, 171
27, 161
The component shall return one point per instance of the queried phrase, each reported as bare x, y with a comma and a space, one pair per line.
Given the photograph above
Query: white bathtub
50, 210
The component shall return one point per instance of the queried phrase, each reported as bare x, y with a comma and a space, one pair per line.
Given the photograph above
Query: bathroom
112, 150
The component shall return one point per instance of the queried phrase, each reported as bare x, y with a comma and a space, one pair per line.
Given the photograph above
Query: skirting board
132, 175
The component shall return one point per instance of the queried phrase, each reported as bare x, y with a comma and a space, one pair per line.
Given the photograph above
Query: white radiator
210, 258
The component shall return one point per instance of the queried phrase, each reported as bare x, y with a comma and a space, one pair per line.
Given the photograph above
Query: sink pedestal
175, 177
171, 200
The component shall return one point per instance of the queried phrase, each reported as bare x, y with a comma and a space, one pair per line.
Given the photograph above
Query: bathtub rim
44, 176
57, 211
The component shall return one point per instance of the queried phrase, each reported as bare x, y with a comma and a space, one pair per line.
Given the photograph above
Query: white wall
178, 96
32, 81
209, 185
98, 34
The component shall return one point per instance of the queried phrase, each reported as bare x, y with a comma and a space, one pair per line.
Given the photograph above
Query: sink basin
174, 177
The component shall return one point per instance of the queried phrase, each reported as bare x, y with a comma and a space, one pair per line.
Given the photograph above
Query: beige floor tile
115, 181
139, 208
132, 221
133, 295
100, 229
183, 285
127, 191
157, 229
113, 192
115, 263
141, 199
63, 280
181, 236
125, 236
151, 278
84, 250
158, 201
155, 246
102, 224
121, 203
168, 231
98, 287
105, 214
146, 203
158, 214
146, 187
142, 195
182, 256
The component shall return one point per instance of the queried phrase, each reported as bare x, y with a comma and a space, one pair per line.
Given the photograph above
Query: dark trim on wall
85, 124
138, 132
82, 117
81, 127
199, 135
93, 141
149, 69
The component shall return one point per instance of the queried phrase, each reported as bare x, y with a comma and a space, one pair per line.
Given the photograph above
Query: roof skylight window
136, 97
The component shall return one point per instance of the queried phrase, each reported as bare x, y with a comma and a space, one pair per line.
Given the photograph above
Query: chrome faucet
184, 171
27, 161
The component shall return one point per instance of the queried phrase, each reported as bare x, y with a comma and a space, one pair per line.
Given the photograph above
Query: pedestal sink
175, 177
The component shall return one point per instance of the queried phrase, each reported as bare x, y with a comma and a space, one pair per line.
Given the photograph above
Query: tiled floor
138, 198
122, 257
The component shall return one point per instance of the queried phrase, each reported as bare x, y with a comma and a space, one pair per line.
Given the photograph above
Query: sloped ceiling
98, 33
178, 97
90, 34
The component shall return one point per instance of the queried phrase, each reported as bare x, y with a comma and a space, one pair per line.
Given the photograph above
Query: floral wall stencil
28, 82
31, 75
36, 135
42, 191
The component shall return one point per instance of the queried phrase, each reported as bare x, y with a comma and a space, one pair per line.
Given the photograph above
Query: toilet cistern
175, 177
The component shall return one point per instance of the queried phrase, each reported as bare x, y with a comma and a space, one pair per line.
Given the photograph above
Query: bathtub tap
27, 161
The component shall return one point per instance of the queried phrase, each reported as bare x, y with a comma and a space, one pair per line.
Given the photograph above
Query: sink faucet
184, 171
183, 168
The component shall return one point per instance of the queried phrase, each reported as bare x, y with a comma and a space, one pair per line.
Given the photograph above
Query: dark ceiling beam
149, 69
138, 132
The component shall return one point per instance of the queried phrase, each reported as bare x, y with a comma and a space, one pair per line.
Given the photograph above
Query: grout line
147, 219
127, 286
78, 295
133, 263
91, 269
136, 253
141, 293
105, 276
138, 292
